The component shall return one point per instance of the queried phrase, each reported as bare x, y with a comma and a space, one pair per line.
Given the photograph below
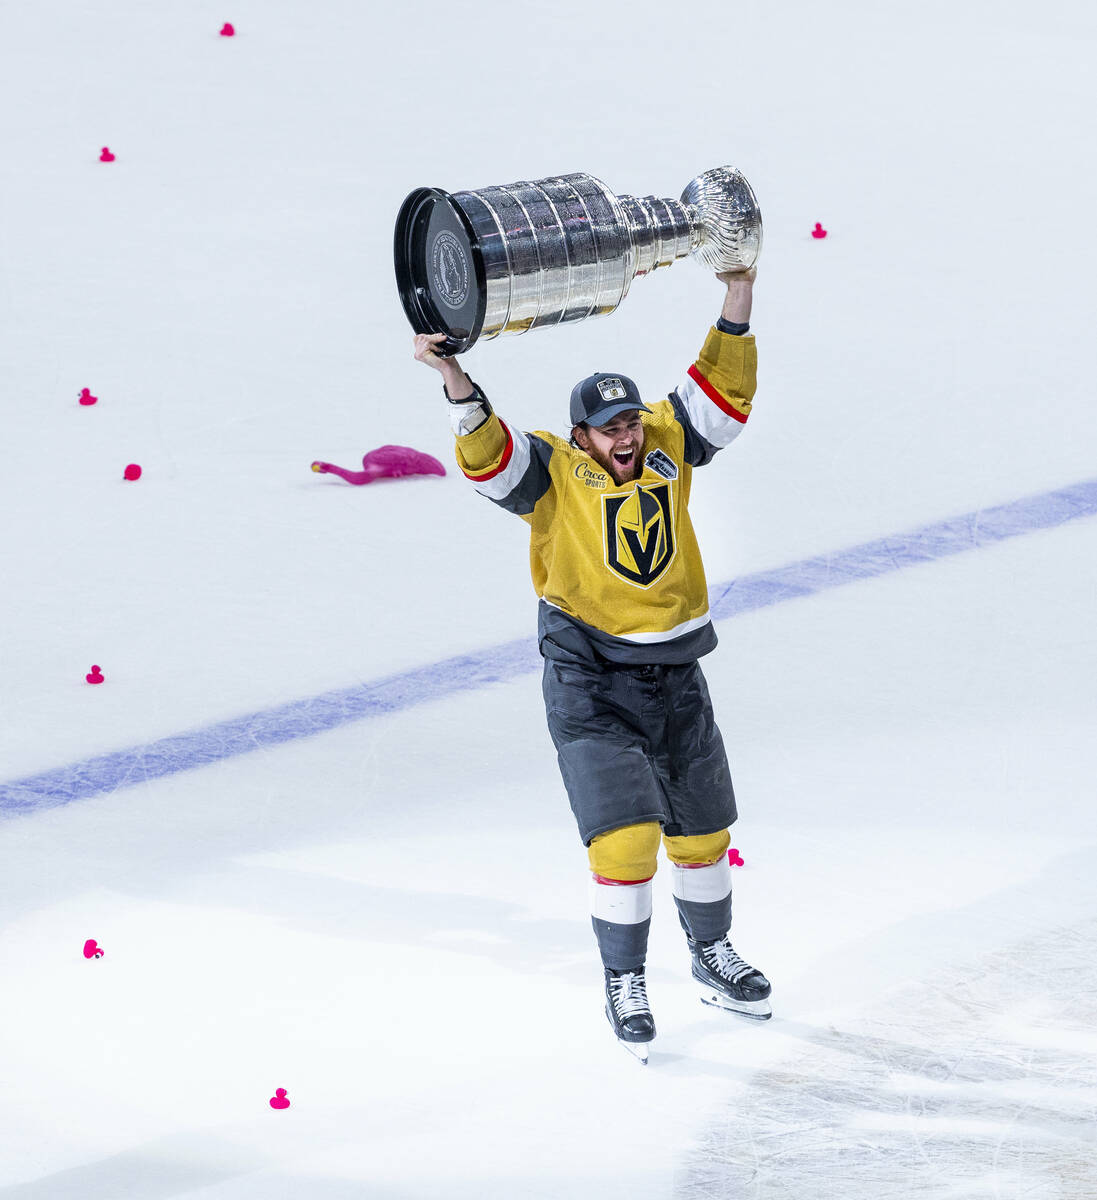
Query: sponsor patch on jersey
592, 477
662, 464
639, 530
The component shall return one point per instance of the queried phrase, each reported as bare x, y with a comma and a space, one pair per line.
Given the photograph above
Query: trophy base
439, 269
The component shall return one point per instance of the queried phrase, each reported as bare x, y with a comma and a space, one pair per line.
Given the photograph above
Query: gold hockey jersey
617, 567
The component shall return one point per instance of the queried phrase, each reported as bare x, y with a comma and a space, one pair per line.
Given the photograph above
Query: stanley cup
474, 265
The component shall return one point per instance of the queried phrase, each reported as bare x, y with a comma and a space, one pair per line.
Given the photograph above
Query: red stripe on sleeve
715, 396
508, 450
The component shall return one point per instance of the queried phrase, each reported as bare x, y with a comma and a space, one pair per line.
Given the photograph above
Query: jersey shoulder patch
661, 464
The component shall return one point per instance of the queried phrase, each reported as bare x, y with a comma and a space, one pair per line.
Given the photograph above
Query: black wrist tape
476, 394
477, 397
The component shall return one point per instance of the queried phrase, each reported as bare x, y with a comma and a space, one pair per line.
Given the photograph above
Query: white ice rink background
313, 817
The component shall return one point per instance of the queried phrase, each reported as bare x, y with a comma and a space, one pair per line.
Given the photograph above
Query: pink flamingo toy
386, 462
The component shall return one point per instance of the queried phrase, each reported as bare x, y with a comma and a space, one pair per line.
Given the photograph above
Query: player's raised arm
714, 401
740, 296
505, 465
457, 384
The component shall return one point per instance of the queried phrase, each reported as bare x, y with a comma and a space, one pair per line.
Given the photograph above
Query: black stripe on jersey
536, 481
698, 450
567, 639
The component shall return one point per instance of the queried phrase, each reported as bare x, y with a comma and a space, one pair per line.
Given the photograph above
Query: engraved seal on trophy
450, 270
532, 255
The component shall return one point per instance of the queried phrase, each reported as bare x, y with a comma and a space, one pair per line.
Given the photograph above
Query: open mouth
622, 457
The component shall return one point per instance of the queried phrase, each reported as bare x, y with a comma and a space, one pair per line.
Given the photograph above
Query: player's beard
616, 472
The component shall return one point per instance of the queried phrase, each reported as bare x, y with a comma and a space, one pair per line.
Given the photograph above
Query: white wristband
467, 418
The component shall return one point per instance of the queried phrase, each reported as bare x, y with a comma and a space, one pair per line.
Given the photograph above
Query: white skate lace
724, 961
630, 994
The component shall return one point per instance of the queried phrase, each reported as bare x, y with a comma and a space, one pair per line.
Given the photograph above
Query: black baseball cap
600, 397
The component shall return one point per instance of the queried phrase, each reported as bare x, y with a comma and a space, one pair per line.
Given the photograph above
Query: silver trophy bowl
474, 265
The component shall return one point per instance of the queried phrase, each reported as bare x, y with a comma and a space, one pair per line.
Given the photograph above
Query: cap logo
612, 389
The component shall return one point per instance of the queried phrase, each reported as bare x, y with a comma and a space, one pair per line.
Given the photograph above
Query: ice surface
313, 815
976, 1082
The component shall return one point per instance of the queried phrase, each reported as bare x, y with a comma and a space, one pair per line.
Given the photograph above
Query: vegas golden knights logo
640, 533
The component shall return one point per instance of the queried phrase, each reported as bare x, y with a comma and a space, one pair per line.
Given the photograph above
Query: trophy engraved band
477, 264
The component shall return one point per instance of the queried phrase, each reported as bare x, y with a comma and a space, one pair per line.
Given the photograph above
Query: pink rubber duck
227, 30
95, 675
818, 231
735, 858
386, 462
278, 1100
86, 397
91, 950
106, 155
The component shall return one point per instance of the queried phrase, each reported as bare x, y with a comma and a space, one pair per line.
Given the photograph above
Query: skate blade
638, 1050
756, 1010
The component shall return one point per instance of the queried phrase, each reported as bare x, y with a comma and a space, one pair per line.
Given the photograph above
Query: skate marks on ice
982, 1085
499, 664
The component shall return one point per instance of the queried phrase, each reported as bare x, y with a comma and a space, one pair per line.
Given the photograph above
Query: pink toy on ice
386, 462
91, 950
106, 155
95, 675
278, 1100
227, 30
735, 858
86, 397
818, 231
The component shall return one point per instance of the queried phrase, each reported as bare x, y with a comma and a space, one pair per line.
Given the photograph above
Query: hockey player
622, 620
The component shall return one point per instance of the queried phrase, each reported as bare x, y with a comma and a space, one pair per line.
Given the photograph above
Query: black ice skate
728, 982
628, 1012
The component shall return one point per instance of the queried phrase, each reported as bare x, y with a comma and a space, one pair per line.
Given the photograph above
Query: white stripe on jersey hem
669, 635
647, 639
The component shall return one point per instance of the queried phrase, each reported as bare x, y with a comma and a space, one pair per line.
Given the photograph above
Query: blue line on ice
302, 718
